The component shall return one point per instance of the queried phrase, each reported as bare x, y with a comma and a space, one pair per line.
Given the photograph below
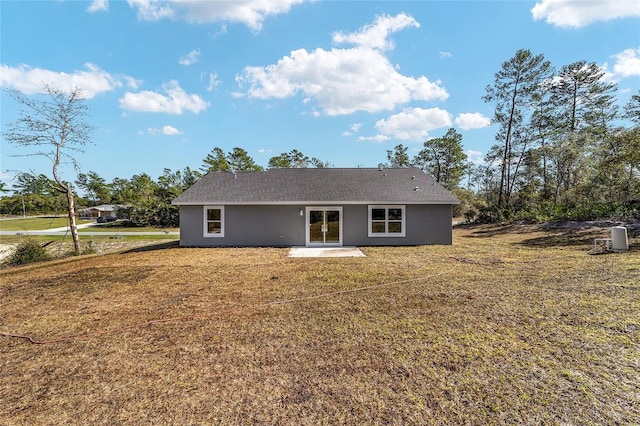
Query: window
213, 221
386, 221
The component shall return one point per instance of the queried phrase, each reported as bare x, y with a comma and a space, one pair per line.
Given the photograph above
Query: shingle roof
322, 185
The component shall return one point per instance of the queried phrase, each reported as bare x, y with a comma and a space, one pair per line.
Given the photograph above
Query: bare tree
53, 127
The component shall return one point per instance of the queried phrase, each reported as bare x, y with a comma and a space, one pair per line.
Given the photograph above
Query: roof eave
289, 203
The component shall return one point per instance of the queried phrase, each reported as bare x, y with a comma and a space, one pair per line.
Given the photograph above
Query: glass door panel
332, 225
316, 225
324, 226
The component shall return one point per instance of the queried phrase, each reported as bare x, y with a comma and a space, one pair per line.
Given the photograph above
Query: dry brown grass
524, 327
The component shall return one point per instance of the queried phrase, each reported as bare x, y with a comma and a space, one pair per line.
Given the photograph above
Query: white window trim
387, 234
205, 228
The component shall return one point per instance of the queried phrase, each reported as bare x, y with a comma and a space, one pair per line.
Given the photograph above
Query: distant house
99, 211
316, 207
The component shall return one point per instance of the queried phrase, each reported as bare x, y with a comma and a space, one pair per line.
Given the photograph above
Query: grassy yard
36, 223
122, 227
509, 325
42, 223
65, 241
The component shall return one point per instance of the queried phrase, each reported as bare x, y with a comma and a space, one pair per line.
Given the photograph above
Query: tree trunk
506, 156
545, 178
72, 219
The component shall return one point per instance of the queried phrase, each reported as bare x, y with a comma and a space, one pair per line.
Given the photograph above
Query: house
101, 210
316, 207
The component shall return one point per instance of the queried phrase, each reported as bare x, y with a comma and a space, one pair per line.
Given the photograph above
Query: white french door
324, 226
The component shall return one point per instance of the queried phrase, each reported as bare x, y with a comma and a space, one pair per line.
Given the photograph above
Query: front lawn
124, 226
509, 325
65, 240
37, 223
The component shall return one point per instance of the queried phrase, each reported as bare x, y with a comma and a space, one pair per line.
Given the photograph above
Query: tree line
563, 150
146, 201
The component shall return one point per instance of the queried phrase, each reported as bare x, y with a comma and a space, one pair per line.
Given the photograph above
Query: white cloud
251, 13
171, 131
98, 6
176, 101
472, 120
375, 36
354, 128
343, 81
190, 58
412, 124
213, 82
132, 82
91, 81
576, 14
166, 130
445, 54
627, 63
151, 10
376, 138
475, 157
220, 32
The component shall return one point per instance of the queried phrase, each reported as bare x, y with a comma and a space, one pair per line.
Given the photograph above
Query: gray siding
271, 226
426, 224
282, 226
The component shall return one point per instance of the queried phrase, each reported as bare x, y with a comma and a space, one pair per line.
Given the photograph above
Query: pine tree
516, 87
444, 159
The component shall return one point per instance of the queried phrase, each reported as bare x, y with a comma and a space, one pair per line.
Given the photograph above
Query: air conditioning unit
619, 241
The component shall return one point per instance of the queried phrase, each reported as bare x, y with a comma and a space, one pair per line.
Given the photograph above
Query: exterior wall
270, 226
282, 226
426, 224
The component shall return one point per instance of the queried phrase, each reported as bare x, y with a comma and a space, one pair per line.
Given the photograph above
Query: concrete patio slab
325, 252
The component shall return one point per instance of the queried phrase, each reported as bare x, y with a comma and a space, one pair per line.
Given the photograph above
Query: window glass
213, 221
386, 221
378, 227
213, 214
395, 227
378, 214
395, 214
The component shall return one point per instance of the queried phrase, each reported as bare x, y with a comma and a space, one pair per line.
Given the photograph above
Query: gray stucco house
316, 207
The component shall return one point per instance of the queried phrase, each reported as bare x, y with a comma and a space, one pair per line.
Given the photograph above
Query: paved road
92, 234
84, 232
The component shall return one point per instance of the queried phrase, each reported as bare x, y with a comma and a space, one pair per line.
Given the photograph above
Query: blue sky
167, 81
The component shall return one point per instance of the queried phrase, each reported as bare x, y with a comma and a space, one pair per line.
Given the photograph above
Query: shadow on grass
566, 238
154, 247
493, 230
568, 234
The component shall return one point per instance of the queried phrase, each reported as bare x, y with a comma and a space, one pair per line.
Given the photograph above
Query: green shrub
28, 251
163, 215
89, 248
470, 214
